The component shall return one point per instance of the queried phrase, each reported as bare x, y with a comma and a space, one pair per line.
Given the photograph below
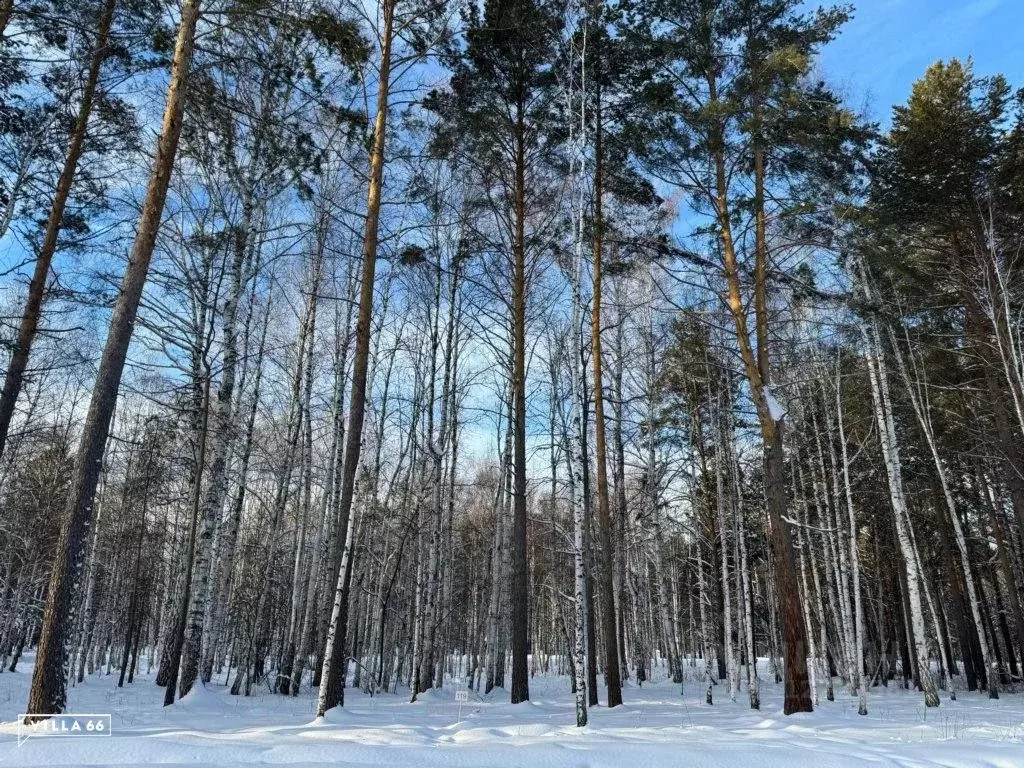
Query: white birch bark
753, 682
921, 404
802, 546
730, 658
894, 474
576, 455
858, 602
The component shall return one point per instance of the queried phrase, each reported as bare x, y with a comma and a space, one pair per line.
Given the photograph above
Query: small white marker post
461, 697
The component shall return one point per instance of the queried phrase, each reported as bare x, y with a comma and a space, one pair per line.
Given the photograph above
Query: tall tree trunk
518, 585
577, 455
48, 693
335, 536
204, 591
299, 594
746, 588
33, 304
606, 586
770, 417
730, 656
176, 636
620, 579
332, 676
228, 538
851, 519
436, 447
918, 398
901, 514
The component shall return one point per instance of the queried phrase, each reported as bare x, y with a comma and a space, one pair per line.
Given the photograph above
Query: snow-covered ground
657, 727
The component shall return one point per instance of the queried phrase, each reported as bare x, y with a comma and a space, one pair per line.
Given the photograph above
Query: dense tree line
383, 344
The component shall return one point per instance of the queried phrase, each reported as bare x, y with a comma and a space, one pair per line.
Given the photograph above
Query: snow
656, 727
775, 409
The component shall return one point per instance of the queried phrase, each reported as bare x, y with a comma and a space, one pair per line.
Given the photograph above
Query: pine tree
48, 694
500, 107
731, 99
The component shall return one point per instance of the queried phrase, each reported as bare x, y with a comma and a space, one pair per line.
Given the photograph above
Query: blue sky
889, 43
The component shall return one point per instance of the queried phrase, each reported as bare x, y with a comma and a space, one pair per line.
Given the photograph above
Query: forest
363, 349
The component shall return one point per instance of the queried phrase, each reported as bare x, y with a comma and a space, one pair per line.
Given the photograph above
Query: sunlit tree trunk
335, 663
891, 458
33, 305
48, 692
